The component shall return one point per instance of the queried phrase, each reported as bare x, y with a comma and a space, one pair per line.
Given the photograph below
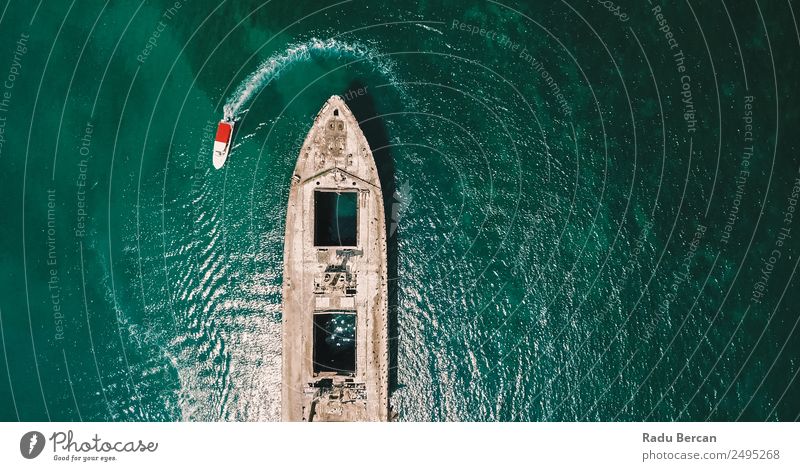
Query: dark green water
583, 207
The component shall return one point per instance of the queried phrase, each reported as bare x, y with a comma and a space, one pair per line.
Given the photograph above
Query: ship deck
335, 345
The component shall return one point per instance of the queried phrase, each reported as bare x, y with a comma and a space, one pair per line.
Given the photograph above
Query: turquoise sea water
592, 211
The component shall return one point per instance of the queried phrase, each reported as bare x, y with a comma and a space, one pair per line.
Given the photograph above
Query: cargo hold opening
335, 343
335, 218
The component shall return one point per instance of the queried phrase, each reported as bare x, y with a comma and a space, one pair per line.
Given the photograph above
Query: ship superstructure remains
335, 313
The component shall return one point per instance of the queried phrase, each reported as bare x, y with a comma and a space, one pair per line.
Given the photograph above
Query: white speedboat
222, 143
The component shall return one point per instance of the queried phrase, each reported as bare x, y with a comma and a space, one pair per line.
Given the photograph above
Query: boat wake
272, 67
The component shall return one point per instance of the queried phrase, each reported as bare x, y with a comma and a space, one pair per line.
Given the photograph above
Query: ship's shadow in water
363, 107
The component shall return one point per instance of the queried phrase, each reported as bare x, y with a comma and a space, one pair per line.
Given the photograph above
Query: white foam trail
277, 63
